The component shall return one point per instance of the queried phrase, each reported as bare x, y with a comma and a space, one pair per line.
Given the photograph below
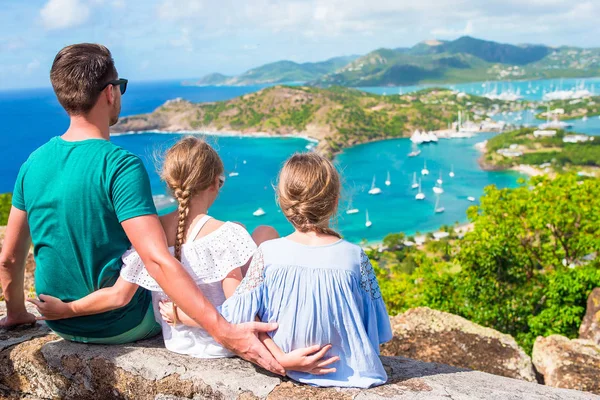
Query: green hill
338, 117
464, 60
492, 52
279, 72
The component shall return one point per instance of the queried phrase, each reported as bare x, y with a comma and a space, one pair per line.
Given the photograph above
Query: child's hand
167, 311
308, 360
52, 308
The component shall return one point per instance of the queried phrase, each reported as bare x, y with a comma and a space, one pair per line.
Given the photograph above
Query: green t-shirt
76, 195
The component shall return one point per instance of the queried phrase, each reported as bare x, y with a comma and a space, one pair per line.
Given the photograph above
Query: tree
5, 204
525, 269
522, 245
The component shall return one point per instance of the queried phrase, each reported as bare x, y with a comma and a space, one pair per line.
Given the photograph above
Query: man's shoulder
120, 157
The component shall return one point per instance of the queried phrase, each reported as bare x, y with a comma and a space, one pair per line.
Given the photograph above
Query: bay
31, 117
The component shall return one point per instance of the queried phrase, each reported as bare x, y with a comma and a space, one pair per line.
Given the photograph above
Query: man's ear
110, 94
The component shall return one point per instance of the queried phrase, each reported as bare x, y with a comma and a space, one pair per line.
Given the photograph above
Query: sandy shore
528, 170
220, 134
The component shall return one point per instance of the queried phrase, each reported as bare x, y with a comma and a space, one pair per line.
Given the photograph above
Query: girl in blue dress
318, 287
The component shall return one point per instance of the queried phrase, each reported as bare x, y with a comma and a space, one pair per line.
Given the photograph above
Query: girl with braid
214, 253
318, 287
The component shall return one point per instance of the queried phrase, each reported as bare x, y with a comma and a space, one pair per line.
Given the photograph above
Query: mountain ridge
465, 59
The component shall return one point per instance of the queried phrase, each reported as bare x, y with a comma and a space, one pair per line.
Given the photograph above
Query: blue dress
318, 295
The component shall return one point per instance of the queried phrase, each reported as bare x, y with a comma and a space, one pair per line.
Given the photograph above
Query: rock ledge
36, 364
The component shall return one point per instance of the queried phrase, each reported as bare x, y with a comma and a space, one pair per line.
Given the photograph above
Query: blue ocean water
31, 117
532, 90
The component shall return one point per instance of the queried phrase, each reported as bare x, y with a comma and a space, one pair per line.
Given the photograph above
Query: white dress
208, 260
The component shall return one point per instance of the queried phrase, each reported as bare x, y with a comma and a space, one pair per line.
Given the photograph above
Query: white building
577, 138
544, 133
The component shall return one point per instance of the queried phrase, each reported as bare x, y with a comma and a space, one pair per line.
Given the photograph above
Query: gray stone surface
35, 364
47, 367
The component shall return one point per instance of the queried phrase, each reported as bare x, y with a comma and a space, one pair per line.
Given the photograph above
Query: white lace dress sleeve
246, 302
208, 259
377, 321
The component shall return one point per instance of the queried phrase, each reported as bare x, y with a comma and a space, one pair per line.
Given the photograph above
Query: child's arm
102, 300
309, 359
173, 314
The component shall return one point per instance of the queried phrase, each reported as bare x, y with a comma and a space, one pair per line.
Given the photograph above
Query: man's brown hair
78, 75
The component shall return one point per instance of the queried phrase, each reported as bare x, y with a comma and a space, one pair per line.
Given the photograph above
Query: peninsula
542, 151
337, 117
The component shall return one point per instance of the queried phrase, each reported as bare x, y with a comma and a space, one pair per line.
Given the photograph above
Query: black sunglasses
121, 82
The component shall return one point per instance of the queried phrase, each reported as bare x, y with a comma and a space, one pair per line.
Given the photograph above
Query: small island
337, 117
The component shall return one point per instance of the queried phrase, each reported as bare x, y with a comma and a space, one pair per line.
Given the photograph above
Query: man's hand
13, 321
309, 360
242, 339
52, 308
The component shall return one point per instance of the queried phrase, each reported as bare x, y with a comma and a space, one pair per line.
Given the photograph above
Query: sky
186, 39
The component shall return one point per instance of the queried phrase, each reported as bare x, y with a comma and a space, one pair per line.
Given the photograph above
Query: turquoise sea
31, 117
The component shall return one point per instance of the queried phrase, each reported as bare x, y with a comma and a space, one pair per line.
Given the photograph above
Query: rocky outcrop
36, 364
571, 364
590, 326
435, 336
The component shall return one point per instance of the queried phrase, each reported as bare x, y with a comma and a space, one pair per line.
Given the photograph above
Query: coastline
219, 133
461, 229
525, 169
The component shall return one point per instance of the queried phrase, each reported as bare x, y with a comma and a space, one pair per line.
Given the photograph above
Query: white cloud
452, 33
33, 65
322, 19
61, 14
184, 40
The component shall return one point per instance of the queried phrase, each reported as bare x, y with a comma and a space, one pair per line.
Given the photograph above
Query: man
84, 201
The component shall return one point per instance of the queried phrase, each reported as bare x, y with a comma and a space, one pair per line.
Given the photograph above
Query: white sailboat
471, 199
437, 189
424, 171
438, 209
414, 150
416, 137
415, 184
234, 173
388, 181
440, 181
259, 212
368, 223
351, 210
420, 195
374, 190
451, 174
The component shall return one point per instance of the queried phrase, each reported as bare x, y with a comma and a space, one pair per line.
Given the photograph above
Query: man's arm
17, 241
148, 239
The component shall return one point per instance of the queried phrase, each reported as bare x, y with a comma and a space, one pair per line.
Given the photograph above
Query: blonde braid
183, 198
